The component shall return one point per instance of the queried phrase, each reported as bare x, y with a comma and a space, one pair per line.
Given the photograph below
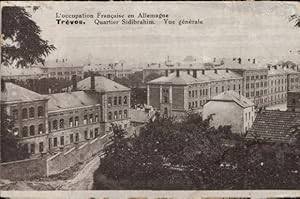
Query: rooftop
140, 115
102, 84
275, 126
13, 71
280, 71
69, 100
15, 93
232, 96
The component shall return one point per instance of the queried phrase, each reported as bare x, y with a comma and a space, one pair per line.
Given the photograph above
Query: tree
13, 150
22, 41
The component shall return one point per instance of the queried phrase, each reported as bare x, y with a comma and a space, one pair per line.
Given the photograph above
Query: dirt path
84, 179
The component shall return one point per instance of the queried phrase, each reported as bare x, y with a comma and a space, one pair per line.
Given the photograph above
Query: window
109, 116
234, 87
91, 118
77, 137
25, 131
41, 147
115, 115
71, 122
125, 113
91, 133
76, 121
120, 100
40, 111
222, 88
96, 118
31, 112
41, 129
166, 111
165, 99
15, 114
54, 125
31, 130
190, 93
55, 142
216, 89
24, 113
85, 119
85, 135
62, 140
120, 114
190, 105
115, 100
96, 132
32, 148
71, 138
61, 123
125, 100
109, 101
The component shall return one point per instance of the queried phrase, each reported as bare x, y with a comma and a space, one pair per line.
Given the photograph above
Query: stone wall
24, 169
64, 160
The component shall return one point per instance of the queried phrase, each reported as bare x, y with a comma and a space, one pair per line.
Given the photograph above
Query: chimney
275, 67
74, 82
239, 60
3, 88
56, 60
226, 70
195, 73
148, 65
269, 67
203, 72
177, 73
158, 65
188, 72
92, 81
253, 61
216, 71
248, 59
166, 73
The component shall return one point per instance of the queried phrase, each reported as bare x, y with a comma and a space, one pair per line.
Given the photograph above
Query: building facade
230, 108
293, 101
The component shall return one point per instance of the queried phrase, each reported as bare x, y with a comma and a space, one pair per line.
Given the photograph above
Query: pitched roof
60, 101
15, 93
274, 126
102, 84
280, 71
232, 96
183, 79
245, 65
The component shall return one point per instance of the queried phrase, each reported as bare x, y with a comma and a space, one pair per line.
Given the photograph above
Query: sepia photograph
156, 96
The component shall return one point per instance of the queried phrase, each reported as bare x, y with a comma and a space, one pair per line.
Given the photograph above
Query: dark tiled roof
60, 101
275, 126
15, 93
102, 84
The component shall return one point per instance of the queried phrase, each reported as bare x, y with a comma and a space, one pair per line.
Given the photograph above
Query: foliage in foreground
192, 155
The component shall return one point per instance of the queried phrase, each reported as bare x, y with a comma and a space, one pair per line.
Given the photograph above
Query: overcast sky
229, 29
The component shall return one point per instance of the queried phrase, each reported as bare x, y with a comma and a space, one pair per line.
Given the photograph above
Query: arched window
25, 131
76, 121
31, 130
91, 118
125, 99
115, 115
31, 112
40, 111
61, 123
24, 113
125, 114
54, 125
41, 129
120, 100
120, 114
71, 122
15, 114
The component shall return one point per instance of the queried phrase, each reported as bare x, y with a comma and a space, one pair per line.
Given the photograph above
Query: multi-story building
293, 100
29, 112
255, 80
47, 123
230, 108
181, 91
62, 70
21, 74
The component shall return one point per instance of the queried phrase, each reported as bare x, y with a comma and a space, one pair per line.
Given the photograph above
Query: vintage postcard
196, 97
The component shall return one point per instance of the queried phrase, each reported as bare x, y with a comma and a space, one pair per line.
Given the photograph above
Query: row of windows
117, 115
31, 131
248, 116
92, 134
60, 124
278, 81
256, 77
28, 113
194, 93
257, 93
194, 104
117, 101
279, 96
66, 73
258, 84
31, 147
217, 88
